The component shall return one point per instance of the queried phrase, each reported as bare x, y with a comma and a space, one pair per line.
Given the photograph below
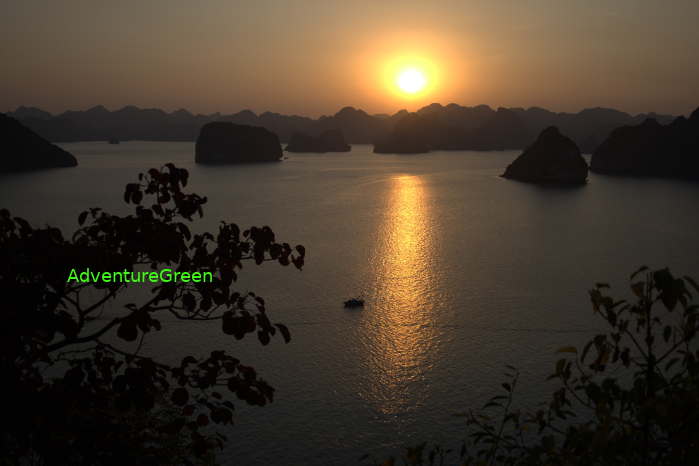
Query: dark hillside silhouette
479, 127
652, 149
331, 140
505, 130
25, 150
432, 128
412, 134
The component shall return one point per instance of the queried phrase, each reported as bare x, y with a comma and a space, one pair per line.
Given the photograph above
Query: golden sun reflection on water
398, 326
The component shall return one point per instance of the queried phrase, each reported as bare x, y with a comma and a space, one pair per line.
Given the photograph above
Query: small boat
354, 302
113, 141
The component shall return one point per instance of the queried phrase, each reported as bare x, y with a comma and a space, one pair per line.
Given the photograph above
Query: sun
411, 80
410, 77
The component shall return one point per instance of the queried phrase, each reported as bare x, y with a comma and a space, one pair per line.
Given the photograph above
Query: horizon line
258, 114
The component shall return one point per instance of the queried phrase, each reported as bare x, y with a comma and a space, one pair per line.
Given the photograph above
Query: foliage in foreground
73, 395
628, 397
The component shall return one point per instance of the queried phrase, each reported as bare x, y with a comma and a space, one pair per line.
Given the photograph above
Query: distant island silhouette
223, 142
552, 158
439, 127
332, 140
640, 145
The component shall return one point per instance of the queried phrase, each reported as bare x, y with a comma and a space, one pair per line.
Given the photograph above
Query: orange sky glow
311, 58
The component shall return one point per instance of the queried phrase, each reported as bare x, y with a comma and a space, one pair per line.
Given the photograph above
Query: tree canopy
74, 396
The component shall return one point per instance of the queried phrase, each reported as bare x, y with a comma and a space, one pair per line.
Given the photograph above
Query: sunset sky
314, 57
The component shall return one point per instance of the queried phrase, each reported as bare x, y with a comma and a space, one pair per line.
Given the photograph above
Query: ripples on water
400, 334
462, 272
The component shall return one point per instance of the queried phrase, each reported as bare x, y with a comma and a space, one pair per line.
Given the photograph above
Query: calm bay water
462, 272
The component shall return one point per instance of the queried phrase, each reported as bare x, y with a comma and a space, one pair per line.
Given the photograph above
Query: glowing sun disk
411, 80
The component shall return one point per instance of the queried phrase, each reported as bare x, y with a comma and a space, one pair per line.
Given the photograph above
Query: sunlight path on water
398, 331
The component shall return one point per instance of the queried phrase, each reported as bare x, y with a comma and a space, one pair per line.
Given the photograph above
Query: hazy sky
314, 57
